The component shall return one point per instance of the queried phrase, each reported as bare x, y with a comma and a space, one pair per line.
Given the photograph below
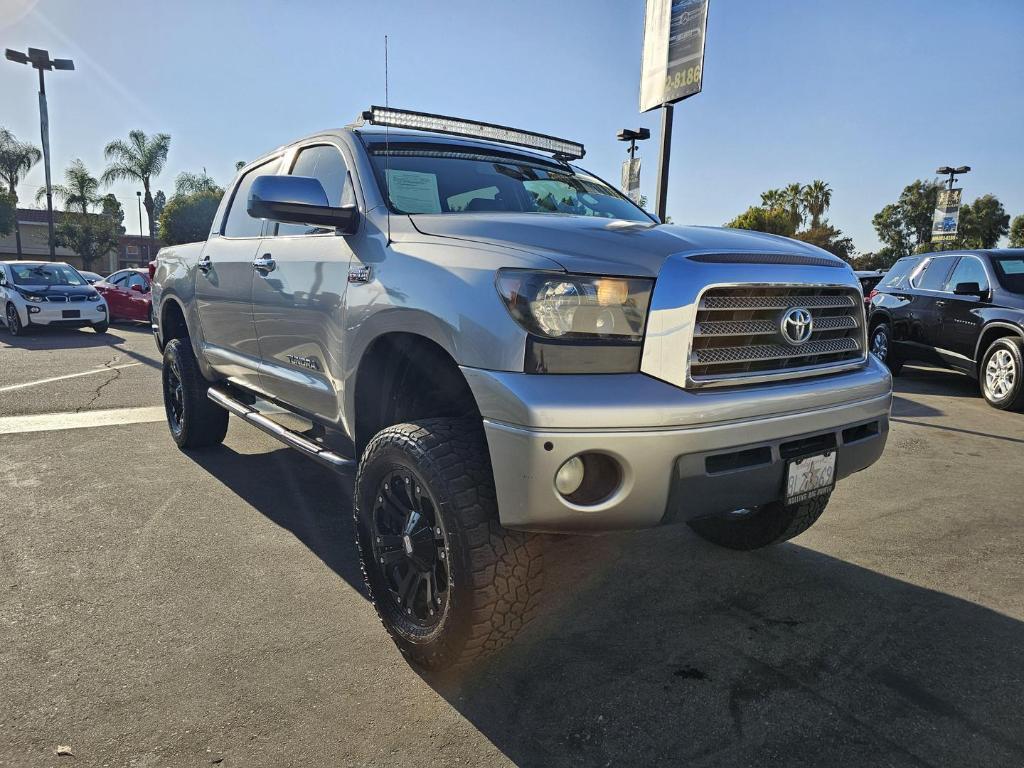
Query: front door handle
940, 303
264, 264
205, 265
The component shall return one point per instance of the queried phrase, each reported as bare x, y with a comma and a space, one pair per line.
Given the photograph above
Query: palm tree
188, 183
80, 190
16, 160
138, 159
792, 201
817, 197
773, 198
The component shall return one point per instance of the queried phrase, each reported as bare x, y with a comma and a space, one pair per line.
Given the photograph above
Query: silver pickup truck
505, 345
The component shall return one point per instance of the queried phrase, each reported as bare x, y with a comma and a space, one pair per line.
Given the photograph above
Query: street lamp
139, 196
40, 59
953, 172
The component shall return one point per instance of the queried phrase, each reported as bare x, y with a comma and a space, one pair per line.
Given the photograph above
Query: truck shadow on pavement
656, 648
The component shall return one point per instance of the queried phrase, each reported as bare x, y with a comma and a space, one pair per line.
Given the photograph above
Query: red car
128, 294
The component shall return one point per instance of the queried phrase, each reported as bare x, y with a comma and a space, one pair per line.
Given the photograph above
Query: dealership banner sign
673, 58
631, 179
947, 215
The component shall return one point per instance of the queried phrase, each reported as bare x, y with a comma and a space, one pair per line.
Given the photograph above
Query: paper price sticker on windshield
413, 191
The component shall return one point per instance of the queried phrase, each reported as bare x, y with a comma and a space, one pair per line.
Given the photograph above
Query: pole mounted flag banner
946, 219
673, 57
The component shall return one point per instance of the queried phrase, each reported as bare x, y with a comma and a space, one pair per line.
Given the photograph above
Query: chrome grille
737, 332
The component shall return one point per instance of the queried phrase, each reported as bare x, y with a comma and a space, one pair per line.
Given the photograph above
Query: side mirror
298, 200
968, 289
138, 288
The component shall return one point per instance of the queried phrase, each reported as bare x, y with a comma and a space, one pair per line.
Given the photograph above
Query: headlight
558, 306
30, 297
94, 297
578, 323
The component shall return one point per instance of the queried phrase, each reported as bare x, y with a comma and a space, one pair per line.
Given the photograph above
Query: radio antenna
387, 144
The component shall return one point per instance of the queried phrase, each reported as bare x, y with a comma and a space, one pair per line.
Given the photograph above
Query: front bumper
53, 313
663, 437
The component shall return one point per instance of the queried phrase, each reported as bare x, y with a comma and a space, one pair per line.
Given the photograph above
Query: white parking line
47, 422
12, 387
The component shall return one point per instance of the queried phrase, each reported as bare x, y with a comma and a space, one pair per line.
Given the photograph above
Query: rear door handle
265, 264
940, 303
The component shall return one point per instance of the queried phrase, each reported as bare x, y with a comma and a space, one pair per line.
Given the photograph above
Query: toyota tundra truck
502, 346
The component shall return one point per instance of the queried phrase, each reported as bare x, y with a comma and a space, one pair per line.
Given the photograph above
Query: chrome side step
285, 435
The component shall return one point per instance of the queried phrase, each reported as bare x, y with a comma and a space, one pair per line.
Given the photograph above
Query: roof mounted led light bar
473, 129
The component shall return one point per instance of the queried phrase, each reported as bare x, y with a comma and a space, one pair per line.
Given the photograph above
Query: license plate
810, 476
71, 313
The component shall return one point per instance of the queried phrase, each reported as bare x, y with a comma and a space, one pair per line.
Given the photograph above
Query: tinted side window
238, 222
135, 279
118, 279
325, 164
935, 274
968, 270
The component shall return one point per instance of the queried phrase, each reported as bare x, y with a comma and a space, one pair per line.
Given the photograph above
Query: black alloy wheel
13, 321
410, 547
175, 397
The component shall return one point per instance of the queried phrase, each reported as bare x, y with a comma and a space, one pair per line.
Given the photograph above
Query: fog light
569, 477
34, 310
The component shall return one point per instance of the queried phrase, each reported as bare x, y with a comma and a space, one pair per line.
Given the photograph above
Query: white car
48, 293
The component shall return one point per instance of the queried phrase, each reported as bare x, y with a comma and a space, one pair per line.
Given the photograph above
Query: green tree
1017, 232
90, 235
773, 198
186, 183
816, 198
775, 221
139, 159
79, 192
239, 165
830, 238
8, 212
983, 223
159, 201
793, 202
188, 218
917, 207
16, 160
111, 206
893, 230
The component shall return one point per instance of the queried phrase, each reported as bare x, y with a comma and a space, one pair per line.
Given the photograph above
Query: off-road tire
13, 321
494, 575
771, 524
1013, 400
893, 363
101, 327
202, 422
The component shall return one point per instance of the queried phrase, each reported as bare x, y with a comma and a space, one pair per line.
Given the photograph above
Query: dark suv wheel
1002, 374
449, 583
195, 421
881, 347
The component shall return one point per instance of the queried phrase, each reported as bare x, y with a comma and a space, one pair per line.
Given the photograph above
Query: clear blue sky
867, 95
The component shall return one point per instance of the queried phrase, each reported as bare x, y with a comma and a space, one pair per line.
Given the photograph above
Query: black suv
960, 309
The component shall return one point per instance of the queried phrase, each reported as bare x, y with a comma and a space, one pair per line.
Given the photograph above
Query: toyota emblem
796, 325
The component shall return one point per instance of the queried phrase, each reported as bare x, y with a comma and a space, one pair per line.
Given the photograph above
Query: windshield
449, 179
1010, 272
46, 274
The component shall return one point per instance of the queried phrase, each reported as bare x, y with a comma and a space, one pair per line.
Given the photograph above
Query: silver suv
506, 345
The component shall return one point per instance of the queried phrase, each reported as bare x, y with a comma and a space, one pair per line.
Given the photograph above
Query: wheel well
172, 322
404, 377
875, 320
989, 335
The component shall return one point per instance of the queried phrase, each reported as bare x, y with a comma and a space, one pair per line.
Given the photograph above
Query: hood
602, 246
57, 290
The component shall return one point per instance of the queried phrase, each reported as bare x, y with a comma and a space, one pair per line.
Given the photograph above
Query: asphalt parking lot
164, 609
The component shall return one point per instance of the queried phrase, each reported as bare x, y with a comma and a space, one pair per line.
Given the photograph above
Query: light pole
139, 196
953, 172
40, 59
